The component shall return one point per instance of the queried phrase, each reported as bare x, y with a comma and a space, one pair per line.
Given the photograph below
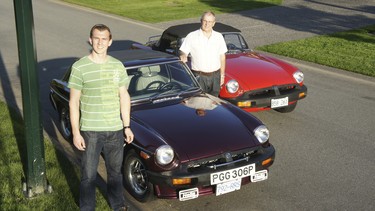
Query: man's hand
129, 136
79, 142
222, 78
183, 57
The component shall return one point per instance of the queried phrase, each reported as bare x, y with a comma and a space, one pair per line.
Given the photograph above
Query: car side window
168, 43
133, 74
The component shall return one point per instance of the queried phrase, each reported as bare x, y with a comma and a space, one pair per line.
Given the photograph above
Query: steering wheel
231, 46
169, 86
160, 84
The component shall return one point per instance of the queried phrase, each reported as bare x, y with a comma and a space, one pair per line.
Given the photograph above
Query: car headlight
232, 86
262, 133
164, 155
298, 76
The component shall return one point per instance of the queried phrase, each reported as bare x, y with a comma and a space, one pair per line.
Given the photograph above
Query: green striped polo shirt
99, 85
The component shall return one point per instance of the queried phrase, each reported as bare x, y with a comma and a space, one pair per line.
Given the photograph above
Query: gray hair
207, 13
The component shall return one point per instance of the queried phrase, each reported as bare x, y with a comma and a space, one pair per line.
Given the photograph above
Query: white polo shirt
205, 52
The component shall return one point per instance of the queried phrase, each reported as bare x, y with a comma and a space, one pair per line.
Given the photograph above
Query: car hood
196, 134
254, 72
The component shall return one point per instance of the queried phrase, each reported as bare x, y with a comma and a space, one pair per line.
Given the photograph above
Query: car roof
135, 57
184, 29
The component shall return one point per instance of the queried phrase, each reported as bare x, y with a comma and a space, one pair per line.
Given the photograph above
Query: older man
207, 49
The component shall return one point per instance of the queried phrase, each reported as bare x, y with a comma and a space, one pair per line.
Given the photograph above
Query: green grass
154, 11
61, 173
352, 50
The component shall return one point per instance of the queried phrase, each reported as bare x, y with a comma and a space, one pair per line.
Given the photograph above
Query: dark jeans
111, 144
210, 84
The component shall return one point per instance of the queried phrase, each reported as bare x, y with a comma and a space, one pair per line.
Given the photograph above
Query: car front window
154, 79
235, 41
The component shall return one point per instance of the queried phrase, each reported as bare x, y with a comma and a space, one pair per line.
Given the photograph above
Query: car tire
136, 179
287, 109
66, 129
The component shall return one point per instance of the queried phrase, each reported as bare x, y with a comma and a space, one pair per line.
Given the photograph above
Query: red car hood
193, 136
255, 72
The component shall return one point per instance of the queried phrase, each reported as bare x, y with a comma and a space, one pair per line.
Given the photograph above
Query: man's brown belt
204, 73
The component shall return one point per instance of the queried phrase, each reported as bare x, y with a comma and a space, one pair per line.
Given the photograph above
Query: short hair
101, 27
207, 13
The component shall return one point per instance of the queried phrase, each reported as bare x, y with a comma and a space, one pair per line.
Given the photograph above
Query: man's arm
74, 115
222, 69
183, 57
125, 113
185, 49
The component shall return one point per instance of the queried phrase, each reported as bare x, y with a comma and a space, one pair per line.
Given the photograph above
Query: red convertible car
187, 143
253, 81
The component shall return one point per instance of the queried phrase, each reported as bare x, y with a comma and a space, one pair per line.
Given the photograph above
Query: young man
207, 49
100, 116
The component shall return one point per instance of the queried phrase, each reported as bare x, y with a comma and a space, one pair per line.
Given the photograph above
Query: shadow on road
307, 19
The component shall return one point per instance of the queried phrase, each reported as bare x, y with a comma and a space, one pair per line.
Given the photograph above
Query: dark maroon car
187, 143
253, 81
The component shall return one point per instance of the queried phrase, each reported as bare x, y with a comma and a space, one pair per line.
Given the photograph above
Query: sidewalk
295, 19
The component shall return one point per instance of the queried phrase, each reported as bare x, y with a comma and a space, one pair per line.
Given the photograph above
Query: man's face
100, 41
200, 112
207, 22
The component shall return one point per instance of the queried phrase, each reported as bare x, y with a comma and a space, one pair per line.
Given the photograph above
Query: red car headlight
298, 76
232, 86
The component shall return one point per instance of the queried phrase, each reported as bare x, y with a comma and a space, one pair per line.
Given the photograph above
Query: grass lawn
352, 50
154, 11
61, 173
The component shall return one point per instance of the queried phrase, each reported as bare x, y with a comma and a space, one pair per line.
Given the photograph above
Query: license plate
232, 174
259, 176
227, 187
275, 103
188, 194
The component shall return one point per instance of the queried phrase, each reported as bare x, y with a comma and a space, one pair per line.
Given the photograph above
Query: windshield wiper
157, 96
190, 89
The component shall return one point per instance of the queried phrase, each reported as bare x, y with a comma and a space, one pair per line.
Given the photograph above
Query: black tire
287, 109
136, 179
66, 129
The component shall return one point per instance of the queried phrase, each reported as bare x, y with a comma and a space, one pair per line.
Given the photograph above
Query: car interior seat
149, 78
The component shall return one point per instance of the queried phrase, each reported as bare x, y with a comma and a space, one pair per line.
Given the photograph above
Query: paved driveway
296, 19
324, 148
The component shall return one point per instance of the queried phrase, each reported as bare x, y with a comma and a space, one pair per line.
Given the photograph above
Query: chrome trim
166, 99
228, 163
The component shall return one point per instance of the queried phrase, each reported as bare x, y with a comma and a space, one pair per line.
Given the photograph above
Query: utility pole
36, 181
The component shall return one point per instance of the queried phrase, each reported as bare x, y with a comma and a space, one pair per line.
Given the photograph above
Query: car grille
221, 160
271, 91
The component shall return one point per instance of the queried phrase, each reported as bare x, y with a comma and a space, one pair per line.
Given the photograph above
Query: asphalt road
325, 148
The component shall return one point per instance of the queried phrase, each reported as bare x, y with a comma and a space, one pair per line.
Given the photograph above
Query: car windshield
154, 81
235, 42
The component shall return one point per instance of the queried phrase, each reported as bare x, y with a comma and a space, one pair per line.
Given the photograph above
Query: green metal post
36, 181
